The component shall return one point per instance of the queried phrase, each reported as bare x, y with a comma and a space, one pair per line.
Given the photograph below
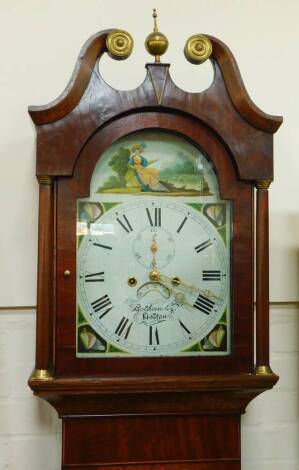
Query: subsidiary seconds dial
153, 277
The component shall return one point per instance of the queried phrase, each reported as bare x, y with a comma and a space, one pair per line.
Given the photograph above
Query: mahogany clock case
139, 400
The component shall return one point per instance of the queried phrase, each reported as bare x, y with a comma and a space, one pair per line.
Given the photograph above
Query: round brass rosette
198, 49
119, 44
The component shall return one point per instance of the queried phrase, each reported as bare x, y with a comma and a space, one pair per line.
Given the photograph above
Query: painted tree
119, 163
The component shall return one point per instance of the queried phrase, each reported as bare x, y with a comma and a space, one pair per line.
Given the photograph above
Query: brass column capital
45, 179
262, 184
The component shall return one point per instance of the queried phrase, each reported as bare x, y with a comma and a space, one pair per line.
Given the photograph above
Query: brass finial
156, 43
155, 20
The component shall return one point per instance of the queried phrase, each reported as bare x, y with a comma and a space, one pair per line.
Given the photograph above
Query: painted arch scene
148, 162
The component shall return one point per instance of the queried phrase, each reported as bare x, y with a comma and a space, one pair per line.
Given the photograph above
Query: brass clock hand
180, 297
176, 281
155, 277
154, 249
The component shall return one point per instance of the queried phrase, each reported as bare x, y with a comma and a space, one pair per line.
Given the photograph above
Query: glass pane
153, 258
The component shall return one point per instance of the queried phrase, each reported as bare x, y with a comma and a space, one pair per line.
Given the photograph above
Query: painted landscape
170, 166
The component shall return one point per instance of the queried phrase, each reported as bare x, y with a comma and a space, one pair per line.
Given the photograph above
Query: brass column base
41, 374
264, 370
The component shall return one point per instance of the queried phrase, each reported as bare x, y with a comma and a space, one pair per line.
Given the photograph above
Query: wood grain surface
148, 439
155, 413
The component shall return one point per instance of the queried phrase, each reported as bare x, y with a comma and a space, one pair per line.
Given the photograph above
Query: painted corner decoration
154, 208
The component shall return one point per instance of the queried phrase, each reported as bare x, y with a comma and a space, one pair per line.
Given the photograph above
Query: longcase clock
150, 200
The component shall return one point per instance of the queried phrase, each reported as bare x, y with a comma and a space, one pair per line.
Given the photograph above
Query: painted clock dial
153, 257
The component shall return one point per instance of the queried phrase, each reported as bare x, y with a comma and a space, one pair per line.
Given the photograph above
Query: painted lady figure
139, 175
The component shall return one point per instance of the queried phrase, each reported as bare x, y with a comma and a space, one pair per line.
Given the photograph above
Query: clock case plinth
155, 413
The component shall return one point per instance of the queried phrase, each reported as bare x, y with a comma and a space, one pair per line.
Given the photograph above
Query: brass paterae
156, 42
119, 44
198, 49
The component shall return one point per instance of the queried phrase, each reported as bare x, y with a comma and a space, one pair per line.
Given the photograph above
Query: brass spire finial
156, 43
155, 20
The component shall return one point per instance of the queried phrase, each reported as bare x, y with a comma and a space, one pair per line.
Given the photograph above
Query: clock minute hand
176, 281
156, 277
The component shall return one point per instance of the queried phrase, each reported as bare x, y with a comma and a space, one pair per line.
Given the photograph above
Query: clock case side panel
241, 193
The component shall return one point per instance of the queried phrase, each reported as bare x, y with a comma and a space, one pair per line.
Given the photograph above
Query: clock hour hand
164, 290
177, 282
180, 298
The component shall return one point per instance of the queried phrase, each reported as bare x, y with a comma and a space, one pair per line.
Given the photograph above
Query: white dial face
153, 277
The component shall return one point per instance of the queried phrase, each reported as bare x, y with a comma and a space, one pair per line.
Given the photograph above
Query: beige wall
40, 42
